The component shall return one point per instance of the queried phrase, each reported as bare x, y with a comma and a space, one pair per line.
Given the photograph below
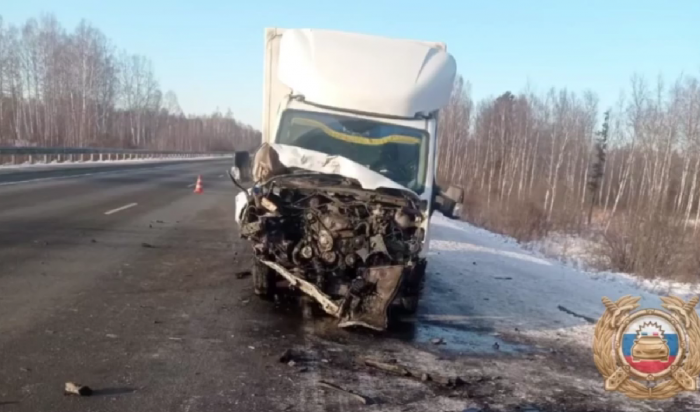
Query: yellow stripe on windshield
394, 138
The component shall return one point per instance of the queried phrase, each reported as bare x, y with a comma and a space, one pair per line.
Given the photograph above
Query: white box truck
345, 177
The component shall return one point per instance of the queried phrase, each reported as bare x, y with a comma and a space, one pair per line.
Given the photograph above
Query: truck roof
366, 73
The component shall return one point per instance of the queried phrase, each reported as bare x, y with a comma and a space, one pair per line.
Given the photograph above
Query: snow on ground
524, 320
572, 250
515, 325
524, 289
580, 253
100, 162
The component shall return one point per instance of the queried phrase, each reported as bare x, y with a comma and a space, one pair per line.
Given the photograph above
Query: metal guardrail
15, 155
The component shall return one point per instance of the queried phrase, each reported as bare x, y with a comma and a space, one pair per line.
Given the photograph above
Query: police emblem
650, 353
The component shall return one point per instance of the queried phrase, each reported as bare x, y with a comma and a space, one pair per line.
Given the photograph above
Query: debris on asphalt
287, 356
111, 336
402, 370
388, 367
77, 389
363, 399
25, 369
503, 278
578, 315
243, 274
159, 221
291, 363
147, 245
437, 341
175, 339
93, 241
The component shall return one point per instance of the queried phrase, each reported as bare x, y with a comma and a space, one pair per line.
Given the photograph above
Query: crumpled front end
353, 250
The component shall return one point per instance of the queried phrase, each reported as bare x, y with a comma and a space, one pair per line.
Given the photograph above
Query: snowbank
491, 282
100, 162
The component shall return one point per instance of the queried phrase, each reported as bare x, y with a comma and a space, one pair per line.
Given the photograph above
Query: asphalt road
119, 277
124, 281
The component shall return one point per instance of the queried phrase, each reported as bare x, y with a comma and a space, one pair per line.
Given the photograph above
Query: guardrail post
100, 157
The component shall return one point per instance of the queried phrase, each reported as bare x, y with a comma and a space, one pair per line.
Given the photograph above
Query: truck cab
372, 99
345, 177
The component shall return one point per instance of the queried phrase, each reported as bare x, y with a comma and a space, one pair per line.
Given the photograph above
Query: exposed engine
353, 250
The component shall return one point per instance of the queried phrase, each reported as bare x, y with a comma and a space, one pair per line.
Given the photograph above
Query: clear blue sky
210, 51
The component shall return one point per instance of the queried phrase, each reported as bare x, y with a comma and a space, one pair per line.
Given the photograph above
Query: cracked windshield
395, 151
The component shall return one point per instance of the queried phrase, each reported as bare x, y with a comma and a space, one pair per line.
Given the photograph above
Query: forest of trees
530, 164
75, 89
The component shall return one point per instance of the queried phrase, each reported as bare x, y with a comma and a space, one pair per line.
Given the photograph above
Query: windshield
398, 152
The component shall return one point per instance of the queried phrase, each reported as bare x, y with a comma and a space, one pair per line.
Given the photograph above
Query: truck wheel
414, 289
263, 281
409, 304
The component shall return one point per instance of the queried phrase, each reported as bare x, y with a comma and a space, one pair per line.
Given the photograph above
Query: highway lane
141, 303
124, 281
17, 174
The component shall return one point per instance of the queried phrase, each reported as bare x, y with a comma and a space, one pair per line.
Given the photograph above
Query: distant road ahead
13, 174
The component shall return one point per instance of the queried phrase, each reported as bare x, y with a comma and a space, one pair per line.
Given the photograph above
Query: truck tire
409, 304
409, 301
263, 281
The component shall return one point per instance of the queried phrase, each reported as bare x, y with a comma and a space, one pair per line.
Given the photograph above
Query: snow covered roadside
56, 164
578, 253
516, 326
527, 290
488, 283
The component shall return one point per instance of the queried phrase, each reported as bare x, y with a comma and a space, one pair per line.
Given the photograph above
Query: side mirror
241, 169
449, 202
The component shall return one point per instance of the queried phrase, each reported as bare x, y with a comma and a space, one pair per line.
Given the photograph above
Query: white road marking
119, 209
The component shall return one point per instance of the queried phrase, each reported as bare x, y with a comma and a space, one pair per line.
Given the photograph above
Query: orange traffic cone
198, 186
